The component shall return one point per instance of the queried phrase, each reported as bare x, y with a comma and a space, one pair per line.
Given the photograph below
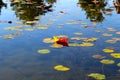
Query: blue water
19, 59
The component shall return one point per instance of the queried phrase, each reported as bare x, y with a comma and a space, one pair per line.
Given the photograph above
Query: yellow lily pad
8, 36
42, 28
106, 34
108, 50
111, 41
107, 61
118, 64
98, 31
29, 29
55, 45
117, 32
115, 55
43, 51
61, 68
48, 40
86, 44
78, 33
97, 76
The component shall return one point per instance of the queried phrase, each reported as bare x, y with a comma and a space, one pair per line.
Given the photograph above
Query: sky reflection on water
19, 59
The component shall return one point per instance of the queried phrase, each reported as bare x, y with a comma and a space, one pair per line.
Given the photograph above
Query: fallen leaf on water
107, 50
55, 45
98, 30
86, 44
117, 32
29, 29
118, 64
106, 34
115, 55
43, 51
61, 68
107, 61
78, 33
48, 40
98, 56
8, 36
97, 76
111, 41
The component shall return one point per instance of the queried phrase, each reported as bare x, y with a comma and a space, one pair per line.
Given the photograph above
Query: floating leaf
42, 28
108, 50
61, 68
78, 33
13, 28
97, 56
117, 32
55, 45
44, 51
8, 36
86, 44
111, 29
107, 61
111, 41
75, 38
48, 40
29, 29
98, 30
118, 64
106, 34
115, 55
97, 76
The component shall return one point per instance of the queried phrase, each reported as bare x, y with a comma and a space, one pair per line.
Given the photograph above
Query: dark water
19, 59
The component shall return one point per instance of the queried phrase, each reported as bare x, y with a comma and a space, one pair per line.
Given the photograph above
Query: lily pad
111, 41
8, 36
29, 29
61, 68
118, 64
43, 51
117, 32
78, 33
97, 76
55, 45
115, 55
98, 56
86, 44
107, 50
106, 34
107, 61
48, 40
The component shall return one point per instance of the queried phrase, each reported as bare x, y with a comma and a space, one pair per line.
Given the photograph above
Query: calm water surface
19, 59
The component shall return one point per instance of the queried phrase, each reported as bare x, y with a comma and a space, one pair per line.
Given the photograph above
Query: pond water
24, 26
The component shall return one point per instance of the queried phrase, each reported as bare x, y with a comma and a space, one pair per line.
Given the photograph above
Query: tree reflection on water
29, 10
93, 9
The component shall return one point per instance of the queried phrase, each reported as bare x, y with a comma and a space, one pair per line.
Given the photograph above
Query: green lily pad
43, 51
97, 76
107, 61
